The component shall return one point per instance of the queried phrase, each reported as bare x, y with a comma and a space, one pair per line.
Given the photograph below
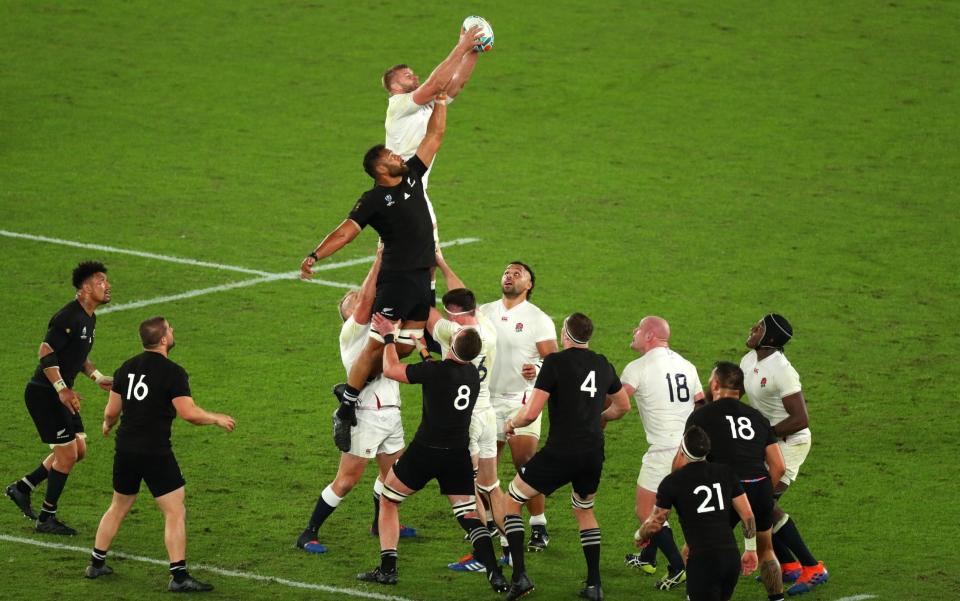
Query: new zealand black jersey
148, 383
450, 391
578, 381
401, 217
70, 335
703, 495
739, 436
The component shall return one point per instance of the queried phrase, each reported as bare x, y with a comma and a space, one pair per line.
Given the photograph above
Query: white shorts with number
378, 431
793, 455
657, 464
506, 408
483, 434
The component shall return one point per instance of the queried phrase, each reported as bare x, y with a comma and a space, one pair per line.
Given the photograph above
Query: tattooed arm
654, 523
748, 562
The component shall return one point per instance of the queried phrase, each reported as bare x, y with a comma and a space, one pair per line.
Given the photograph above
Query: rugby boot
22, 501
54, 526
539, 539
92, 571
591, 592
633, 560
810, 577
189, 585
379, 576
520, 587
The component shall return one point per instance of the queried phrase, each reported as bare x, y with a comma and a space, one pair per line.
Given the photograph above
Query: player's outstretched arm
392, 368
797, 418
453, 281
530, 411
436, 127
335, 240
748, 562
443, 73
462, 75
197, 416
368, 291
775, 463
91, 371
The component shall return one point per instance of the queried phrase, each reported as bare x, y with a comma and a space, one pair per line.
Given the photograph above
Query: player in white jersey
379, 430
525, 335
665, 386
773, 386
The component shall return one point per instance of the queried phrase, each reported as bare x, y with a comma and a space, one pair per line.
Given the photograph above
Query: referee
704, 495
150, 390
51, 400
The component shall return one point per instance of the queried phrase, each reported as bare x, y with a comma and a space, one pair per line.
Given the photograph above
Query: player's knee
391, 495
487, 489
345, 483
516, 494
581, 504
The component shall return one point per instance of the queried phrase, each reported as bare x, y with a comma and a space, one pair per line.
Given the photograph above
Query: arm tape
48, 361
750, 544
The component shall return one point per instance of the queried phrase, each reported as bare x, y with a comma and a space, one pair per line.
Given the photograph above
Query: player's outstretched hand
70, 399
306, 267
748, 562
224, 421
470, 37
105, 383
383, 325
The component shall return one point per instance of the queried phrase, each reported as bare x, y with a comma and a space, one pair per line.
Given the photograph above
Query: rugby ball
486, 31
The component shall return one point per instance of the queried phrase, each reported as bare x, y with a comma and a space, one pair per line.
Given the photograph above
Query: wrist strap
313, 255
96, 376
389, 339
750, 544
60, 385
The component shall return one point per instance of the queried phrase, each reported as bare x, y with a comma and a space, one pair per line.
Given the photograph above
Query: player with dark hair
576, 383
439, 450
51, 400
397, 209
773, 387
743, 439
704, 494
150, 390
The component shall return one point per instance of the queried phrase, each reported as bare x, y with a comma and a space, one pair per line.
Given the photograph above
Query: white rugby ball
485, 44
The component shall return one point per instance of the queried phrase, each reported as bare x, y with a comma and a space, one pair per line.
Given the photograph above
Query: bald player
665, 386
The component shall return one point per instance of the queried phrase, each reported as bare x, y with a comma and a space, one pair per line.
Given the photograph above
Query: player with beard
51, 400
397, 209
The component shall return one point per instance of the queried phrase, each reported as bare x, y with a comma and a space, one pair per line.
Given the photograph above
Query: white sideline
857, 598
215, 570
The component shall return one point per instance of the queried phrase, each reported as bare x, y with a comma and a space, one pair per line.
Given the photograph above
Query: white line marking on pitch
215, 570
362, 260
857, 598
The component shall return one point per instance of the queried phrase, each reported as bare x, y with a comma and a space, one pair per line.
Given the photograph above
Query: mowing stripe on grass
214, 570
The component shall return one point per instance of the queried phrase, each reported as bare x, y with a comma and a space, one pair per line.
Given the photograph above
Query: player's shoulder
70, 312
750, 358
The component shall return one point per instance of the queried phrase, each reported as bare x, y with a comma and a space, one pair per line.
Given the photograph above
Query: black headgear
777, 331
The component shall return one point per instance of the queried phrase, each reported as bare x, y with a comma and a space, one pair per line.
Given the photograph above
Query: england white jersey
766, 383
518, 331
666, 385
381, 392
443, 332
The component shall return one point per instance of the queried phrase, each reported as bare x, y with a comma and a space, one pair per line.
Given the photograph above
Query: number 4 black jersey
703, 494
739, 436
450, 391
148, 383
578, 381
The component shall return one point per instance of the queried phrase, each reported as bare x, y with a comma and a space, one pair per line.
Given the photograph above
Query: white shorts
509, 408
657, 464
483, 434
378, 431
793, 455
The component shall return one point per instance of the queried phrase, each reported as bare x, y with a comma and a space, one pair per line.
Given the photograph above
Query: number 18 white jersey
666, 385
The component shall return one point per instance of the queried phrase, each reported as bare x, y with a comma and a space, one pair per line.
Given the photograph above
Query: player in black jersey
151, 390
439, 450
575, 383
706, 496
397, 209
51, 400
741, 437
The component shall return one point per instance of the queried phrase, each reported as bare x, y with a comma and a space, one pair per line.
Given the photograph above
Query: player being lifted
379, 431
440, 448
665, 386
396, 207
51, 400
704, 494
150, 390
576, 383
773, 387
742, 438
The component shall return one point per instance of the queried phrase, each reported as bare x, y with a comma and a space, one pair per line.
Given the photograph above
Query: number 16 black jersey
148, 383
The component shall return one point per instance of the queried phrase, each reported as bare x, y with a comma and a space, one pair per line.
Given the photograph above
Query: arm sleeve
417, 165
418, 373
401, 105
117, 383
789, 381
350, 330
547, 378
545, 329
771, 437
362, 211
615, 384
58, 332
443, 331
179, 383
631, 375
665, 494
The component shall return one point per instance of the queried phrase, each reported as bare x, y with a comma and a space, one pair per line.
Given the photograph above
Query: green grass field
708, 162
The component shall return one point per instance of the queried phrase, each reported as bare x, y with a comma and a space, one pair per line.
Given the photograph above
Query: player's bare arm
544, 348
392, 368
368, 291
334, 241
619, 406
775, 463
443, 73
436, 127
748, 562
653, 523
462, 74
51, 369
530, 411
111, 413
189, 411
91, 371
796, 408
453, 281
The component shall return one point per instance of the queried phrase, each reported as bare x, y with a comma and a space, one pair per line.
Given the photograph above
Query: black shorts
548, 470
160, 472
760, 495
713, 576
403, 295
55, 424
451, 467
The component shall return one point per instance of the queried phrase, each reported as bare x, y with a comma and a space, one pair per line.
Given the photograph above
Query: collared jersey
379, 392
666, 385
518, 331
766, 383
739, 436
450, 392
401, 217
70, 334
148, 383
703, 494
578, 381
444, 331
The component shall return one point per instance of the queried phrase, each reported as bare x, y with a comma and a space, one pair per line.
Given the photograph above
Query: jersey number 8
463, 398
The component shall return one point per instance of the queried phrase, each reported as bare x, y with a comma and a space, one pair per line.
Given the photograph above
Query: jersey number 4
138, 391
677, 387
706, 506
590, 384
